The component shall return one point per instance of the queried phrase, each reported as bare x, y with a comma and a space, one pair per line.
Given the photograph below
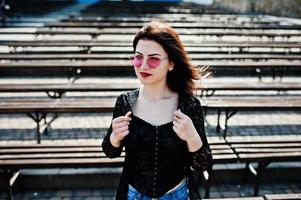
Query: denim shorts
180, 193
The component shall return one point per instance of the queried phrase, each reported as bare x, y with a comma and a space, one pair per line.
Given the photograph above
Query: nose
144, 64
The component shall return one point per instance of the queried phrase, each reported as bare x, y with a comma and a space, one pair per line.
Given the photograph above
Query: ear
171, 65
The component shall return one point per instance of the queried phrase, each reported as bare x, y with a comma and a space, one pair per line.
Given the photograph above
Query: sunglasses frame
150, 66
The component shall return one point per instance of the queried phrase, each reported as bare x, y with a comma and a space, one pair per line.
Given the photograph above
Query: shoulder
128, 95
126, 100
192, 101
191, 105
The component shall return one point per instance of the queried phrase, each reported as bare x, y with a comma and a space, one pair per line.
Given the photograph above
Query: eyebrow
154, 54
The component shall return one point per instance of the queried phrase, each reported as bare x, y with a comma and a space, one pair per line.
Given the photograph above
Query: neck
155, 92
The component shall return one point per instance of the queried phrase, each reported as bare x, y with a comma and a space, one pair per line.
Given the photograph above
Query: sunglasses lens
136, 61
153, 62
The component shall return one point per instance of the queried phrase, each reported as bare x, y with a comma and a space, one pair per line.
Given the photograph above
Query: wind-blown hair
182, 78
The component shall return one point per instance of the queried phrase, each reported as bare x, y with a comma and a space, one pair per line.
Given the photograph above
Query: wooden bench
187, 25
85, 46
264, 151
207, 88
231, 105
221, 154
130, 32
111, 65
178, 17
124, 56
238, 198
56, 154
288, 196
38, 109
124, 44
62, 154
282, 196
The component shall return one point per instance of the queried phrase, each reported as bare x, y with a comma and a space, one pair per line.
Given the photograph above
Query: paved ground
20, 128
218, 191
70, 126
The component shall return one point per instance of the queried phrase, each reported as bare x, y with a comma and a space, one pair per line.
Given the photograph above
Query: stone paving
217, 191
70, 126
20, 128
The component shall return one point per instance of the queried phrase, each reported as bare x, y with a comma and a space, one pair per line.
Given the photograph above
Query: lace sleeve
108, 148
202, 158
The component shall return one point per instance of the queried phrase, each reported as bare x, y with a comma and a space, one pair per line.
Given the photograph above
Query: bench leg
38, 117
208, 183
260, 169
218, 126
259, 73
246, 173
10, 178
9, 188
55, 95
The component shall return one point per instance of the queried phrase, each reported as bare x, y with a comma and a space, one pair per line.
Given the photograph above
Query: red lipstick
144, 75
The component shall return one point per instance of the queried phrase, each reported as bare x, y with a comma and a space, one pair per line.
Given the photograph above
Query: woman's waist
156, 185
179, 185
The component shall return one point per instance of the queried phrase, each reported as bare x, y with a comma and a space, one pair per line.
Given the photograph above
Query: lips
143, 74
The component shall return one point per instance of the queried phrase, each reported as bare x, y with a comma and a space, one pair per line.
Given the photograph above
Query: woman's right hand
120, 128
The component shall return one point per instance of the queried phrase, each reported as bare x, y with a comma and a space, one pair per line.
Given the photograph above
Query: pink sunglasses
152, 62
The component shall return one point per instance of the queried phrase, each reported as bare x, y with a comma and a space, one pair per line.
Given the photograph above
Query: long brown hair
181, 78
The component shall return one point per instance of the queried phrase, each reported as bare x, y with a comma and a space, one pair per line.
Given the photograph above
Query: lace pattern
174, 158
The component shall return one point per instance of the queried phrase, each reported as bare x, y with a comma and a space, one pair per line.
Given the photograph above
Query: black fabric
156, 158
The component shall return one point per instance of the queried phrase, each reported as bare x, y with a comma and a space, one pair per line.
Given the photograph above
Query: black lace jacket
156, 160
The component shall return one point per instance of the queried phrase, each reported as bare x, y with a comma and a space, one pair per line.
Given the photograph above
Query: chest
156, 113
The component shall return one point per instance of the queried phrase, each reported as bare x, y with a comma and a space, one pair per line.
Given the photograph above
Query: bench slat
255, 157
267, 150
268, 145
131, 86
123, 56
70, 155
62, 163
282, 196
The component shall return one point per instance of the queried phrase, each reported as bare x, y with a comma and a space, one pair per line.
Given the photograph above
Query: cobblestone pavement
217, 191
19, 127
71, 126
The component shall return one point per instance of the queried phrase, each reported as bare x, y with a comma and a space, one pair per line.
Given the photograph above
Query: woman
161, 123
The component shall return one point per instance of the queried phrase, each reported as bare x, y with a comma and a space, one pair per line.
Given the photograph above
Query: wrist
194, 143
114, 140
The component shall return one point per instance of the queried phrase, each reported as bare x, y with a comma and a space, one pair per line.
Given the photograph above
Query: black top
156, 159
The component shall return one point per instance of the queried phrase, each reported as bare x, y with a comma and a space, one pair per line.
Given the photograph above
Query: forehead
147, 47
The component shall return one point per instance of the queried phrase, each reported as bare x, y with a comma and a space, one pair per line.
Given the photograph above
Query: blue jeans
180, 193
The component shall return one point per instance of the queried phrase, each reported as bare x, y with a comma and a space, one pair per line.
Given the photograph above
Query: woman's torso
155, 154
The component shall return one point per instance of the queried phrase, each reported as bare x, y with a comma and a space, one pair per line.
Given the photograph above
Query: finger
178, 119
175, 129
179, 114
177, 124
122, 118
121, 129
118, 125
124, 133
122, 123
128, 113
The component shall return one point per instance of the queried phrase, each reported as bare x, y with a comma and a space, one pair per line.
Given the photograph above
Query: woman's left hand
184, 128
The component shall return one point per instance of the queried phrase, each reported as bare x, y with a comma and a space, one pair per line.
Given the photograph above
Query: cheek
163, 69
136, 72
